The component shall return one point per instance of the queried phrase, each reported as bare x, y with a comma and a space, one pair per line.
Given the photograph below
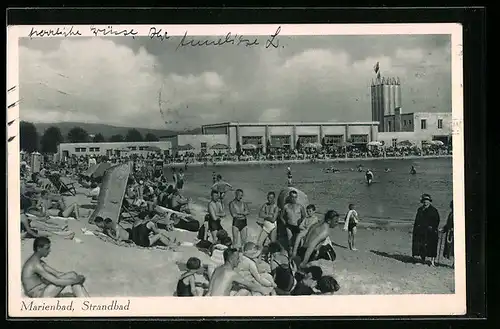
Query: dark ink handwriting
158, 34
64, 31
272, 40
227, 39
111, 32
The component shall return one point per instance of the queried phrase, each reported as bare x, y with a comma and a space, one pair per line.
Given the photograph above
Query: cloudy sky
326, 78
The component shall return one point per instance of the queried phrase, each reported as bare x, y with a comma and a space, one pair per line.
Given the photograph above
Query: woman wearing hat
425, 231
248, 267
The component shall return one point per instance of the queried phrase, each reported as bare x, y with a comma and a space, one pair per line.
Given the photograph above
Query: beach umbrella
438, 143
186, 147
405, 143
374, 143
219, 147
101, 169
283, 197
313, 145
248, 147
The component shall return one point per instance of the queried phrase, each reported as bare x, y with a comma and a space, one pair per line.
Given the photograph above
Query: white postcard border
336, 305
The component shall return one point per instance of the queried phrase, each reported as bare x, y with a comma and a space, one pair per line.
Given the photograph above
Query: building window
359, 139
423, 124
254, 140
334, 139
394, 142
203, 147
280, 141
440, 123
404, 123
132, 148
142, 148
409, 122
389, 125
97, 149
77, 149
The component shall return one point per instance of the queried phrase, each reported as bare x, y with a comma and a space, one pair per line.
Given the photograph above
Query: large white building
285, 135
417, 127
117, 149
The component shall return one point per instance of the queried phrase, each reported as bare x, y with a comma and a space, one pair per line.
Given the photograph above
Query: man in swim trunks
225, 276
40, 280
292, 215
317, 237
268, 214
239, 211
214, 216
304, 227
351, 221
369, 176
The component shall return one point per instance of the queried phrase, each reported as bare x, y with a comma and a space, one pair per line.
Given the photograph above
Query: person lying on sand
304, 227
307, 280
28, 231
46, 207
186, 286
225, 276
248, 265
317, 243
145, 233
113, 230
40, 280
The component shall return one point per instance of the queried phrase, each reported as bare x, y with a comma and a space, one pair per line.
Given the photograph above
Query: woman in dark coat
448, 231
425, 231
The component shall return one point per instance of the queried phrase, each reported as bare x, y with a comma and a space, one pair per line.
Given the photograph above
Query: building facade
112, 149
285, 135
195, 143
417, 127
386, 98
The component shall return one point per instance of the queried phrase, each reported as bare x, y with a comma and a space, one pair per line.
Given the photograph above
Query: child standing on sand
351, 221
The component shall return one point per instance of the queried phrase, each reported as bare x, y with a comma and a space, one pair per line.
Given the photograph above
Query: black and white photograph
254, 162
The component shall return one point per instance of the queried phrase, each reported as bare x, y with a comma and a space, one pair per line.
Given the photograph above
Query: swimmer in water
413, 171
289, 176
387, 169
369, 176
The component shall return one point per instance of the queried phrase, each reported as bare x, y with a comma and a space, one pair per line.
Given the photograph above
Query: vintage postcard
317, 167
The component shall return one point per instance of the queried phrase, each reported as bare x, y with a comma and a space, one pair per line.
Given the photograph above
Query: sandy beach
380, 266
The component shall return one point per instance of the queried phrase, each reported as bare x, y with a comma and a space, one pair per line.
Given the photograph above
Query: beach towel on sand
130, 244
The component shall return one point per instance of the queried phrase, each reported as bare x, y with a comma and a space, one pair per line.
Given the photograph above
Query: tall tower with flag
385, 96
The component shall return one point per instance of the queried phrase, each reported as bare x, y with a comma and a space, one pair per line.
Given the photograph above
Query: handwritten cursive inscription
158, 34
109, 31
273, 40
60, 31
237, 40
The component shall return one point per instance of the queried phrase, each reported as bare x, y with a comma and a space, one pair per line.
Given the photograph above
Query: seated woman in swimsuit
248, 265
186, 286
145, 233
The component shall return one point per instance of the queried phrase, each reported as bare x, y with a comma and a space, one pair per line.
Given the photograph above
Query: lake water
392, 196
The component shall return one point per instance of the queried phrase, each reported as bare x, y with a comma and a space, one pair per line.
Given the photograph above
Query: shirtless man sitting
225, 276
40, 280
292, 215
317, 237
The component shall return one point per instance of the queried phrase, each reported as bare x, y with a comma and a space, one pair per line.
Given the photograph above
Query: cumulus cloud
99, 80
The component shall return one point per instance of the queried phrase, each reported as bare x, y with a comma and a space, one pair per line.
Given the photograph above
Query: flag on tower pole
376, 68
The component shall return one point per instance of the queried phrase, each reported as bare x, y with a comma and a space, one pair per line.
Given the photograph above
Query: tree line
31, 140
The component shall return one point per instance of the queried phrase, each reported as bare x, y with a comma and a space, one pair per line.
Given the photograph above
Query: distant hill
108, 130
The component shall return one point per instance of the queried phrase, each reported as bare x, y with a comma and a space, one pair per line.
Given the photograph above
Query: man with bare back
292, 215
224, 277
40, 280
